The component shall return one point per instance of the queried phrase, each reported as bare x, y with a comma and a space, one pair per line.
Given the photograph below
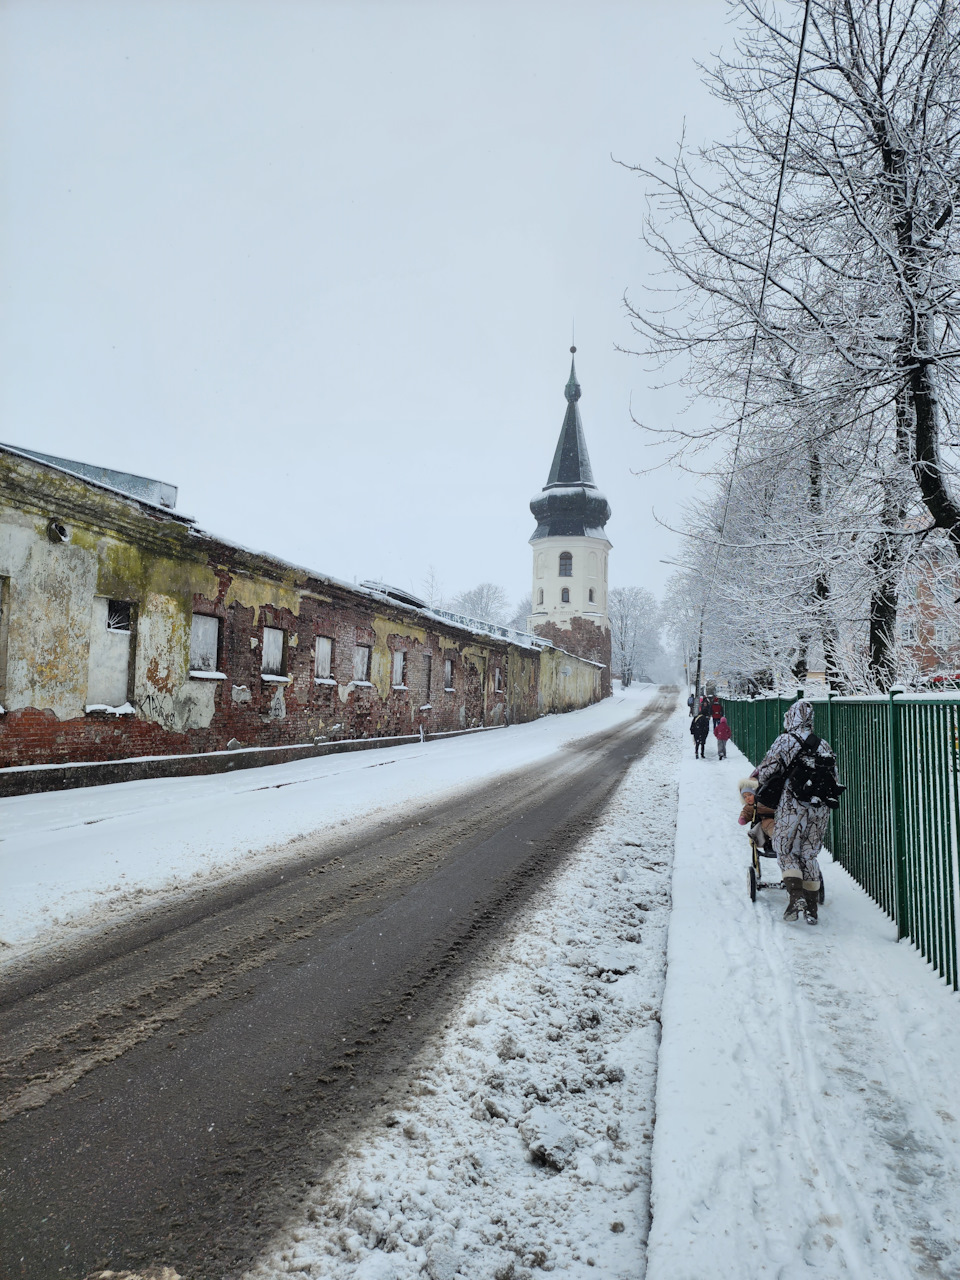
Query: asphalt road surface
167, 1091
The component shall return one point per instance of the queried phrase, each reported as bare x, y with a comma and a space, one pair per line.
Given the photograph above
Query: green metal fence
898, 825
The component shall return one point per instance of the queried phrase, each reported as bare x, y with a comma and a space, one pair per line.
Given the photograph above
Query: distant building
928, 616
570, 547
126, 632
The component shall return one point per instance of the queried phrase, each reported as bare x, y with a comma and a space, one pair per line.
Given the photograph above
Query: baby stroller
762, 847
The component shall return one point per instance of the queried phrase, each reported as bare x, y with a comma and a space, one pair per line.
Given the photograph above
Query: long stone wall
99, 594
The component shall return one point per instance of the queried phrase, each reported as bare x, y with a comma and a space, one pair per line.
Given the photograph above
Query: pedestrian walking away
802, 807
700, 728
721, 731
691, 703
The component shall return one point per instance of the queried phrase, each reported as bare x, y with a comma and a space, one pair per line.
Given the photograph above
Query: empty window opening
427, 673
108, 672
361, 662
591, 595
565, 595
272, 660
540, 596
497, 680
118, 615
204, 642
448, 675
323, 662
399, 669
566, 564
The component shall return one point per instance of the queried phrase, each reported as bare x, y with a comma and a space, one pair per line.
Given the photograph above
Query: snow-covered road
521, 1141
74, 861
808, 1103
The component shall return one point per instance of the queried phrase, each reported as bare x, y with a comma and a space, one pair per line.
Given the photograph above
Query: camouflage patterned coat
798, 828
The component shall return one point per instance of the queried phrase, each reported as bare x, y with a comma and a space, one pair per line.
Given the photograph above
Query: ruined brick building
127, 633
570, 547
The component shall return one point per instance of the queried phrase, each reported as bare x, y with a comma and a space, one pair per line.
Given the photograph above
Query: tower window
566, 564
540, 596
565, 595
591, 595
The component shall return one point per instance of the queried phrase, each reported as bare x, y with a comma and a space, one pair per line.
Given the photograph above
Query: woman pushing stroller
798, 778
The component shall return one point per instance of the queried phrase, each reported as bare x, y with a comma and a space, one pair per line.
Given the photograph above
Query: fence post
830, 823
896, 795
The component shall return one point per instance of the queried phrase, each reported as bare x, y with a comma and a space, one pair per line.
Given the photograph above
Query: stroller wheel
752, 883
821, 895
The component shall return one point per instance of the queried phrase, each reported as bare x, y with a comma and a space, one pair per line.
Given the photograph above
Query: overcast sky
316, 263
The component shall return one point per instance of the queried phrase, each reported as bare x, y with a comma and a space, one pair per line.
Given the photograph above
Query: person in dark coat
700, 728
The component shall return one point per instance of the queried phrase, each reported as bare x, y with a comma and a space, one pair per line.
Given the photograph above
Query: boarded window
361, 662
272, 663
324, 658
204, 642
427, 673
565, 595
566, 564
108, 673
399, 668
448, 674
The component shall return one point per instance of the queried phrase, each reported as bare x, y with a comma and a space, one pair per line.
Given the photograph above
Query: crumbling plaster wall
117, 549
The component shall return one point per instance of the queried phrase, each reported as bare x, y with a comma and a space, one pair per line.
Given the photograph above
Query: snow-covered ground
522, 1140
806, 1095
808, 1101
72, 861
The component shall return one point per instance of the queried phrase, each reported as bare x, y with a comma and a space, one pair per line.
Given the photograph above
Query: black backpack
812, 775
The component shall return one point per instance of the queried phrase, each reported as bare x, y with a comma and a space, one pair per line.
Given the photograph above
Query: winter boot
810, 899
794, 887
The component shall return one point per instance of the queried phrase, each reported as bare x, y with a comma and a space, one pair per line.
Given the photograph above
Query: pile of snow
73, 861
808, 1103
522, 1139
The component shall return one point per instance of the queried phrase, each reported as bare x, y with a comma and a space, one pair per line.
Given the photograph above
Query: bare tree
522, 613
634, 632
486, 602
845, 320
432, 588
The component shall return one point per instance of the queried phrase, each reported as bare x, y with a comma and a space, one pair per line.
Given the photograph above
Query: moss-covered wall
167, 570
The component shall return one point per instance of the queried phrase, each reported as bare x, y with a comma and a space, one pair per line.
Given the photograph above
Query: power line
756, 327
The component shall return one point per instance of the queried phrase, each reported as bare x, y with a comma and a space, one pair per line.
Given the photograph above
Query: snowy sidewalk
808, 1096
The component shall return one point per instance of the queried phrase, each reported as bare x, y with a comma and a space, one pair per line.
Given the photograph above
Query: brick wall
585, 639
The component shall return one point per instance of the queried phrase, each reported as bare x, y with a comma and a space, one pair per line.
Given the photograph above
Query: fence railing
898, 825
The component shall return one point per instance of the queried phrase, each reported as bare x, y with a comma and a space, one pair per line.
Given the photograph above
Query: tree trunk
927, 465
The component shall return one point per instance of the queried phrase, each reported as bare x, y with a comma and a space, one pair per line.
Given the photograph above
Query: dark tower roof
570, 504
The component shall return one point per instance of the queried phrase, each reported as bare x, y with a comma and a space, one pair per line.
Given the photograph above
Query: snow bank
72, 861
520, 1140
808, 1103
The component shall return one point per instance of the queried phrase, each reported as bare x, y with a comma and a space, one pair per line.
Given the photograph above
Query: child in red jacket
721, 731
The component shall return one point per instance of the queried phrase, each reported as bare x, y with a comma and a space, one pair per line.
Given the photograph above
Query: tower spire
570, 504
